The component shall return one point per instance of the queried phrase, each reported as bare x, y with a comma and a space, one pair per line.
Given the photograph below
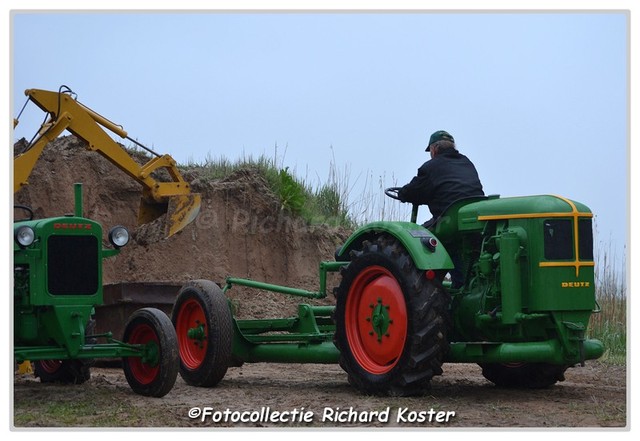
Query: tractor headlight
119, 236
24, 236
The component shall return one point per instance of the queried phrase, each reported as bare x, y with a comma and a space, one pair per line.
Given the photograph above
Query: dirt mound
241, 230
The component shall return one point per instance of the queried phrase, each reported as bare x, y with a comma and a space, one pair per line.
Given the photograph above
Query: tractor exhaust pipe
77, 198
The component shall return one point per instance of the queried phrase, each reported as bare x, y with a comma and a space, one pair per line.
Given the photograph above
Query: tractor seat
450, 214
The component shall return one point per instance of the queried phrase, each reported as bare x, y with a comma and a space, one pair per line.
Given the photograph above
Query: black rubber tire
427, 323
203, 362
62, 371
523, 375
67, 371
144, 326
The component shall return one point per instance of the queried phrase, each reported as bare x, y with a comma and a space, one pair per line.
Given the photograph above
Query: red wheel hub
145, 368
191, 327
376, 320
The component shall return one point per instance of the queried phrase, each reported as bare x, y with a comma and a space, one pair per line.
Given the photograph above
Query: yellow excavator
171, 197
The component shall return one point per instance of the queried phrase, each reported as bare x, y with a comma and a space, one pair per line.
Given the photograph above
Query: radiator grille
73, 265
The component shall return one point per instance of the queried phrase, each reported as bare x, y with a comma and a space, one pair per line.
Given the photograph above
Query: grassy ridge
320, 204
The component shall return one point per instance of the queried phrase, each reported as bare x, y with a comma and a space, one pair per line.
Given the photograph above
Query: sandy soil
269, 395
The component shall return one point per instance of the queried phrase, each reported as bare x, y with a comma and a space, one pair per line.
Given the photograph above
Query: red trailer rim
376, 320
191, 327
144, 372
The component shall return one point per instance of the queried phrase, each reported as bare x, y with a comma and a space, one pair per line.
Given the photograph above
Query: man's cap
440, 135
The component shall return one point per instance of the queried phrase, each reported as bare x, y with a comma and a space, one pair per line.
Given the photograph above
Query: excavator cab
170, 196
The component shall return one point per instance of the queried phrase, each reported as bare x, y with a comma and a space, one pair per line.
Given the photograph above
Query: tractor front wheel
204, 326
153, 373
75, 371
62, 371
391, 322
523, 375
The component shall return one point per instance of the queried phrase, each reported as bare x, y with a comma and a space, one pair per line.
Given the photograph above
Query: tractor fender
415, 239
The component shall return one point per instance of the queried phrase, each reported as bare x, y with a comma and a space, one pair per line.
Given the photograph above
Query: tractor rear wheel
204, 325
391, 321
154, 373
523, 375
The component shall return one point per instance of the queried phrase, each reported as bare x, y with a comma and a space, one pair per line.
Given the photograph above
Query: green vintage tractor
58, 284
522, 313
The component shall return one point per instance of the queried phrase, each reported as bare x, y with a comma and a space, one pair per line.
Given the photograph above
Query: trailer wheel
155, 372
391, 321
523, 375
204, 325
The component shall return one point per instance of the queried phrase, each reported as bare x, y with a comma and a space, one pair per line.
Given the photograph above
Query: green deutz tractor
522, 313
58, 284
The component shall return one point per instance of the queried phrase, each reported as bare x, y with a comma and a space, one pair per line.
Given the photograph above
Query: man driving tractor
447, 177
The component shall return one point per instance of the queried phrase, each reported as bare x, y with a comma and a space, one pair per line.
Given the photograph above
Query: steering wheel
392, 192
25, 208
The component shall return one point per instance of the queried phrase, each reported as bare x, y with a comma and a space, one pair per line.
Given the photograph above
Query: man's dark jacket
447, 177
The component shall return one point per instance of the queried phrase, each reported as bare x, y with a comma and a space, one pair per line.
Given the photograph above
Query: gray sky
538, 101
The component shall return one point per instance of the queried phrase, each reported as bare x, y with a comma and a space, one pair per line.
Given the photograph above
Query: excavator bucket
181, 212
177, 213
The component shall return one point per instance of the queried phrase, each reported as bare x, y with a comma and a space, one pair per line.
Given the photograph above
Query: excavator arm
173, 197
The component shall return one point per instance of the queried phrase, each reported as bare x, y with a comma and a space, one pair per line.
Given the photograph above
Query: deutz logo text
575, 284
71, 226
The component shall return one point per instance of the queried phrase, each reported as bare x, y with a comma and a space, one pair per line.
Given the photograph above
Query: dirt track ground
594, 396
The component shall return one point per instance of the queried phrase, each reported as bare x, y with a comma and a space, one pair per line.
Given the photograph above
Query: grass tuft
610, 324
